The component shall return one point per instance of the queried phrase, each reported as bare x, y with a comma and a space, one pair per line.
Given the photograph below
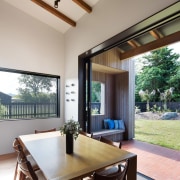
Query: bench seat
112, 134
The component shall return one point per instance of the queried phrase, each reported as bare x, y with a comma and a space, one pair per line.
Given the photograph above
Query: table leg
132, 169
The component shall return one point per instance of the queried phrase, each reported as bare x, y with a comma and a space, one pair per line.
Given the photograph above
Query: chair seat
108, 171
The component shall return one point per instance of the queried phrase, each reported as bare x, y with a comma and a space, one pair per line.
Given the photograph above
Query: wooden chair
17, 147
115, 168
119, 175
44, 131
85, 134
26, 169
107, 141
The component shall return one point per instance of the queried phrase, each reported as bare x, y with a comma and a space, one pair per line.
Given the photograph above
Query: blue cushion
106, 123
116, 124
111, 124
121, 124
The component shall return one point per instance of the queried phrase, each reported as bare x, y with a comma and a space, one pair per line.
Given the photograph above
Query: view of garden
157, 97
24, 96
165, 133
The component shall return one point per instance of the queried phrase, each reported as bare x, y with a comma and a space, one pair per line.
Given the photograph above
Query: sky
8, 82
176, 47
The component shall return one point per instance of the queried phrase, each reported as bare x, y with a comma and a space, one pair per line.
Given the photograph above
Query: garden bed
152, 116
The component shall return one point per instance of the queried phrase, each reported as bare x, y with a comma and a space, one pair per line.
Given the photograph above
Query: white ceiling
67, 7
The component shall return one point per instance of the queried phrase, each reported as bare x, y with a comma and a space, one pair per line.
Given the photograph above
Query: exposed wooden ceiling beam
133, 43
121, 50
54, 12
175, 37
83, 5
156, 34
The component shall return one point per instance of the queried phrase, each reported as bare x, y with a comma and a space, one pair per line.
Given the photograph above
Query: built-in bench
112, 134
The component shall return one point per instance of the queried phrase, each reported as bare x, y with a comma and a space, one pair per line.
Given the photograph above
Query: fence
173, 106
95, 107
29, 110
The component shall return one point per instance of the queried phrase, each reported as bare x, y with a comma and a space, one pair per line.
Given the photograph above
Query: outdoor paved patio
157, 162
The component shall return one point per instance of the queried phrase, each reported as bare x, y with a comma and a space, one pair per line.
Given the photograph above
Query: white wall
108, 18
27, 44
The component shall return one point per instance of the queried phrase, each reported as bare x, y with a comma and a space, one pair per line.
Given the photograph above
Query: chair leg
22, 176
16, 171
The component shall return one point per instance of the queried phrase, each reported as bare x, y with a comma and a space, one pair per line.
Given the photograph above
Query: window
97, 98
26, 95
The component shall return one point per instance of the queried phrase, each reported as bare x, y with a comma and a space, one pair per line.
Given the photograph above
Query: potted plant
71, 128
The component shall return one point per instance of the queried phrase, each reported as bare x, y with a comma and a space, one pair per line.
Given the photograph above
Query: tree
146, 96
166, 96
96, 91
2, 109
34, 88
175, 82
160, 71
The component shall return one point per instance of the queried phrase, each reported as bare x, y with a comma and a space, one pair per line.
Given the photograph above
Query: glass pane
97, 98
27, 96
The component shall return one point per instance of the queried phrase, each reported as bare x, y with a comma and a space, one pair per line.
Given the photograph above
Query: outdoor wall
107, 19
27, 44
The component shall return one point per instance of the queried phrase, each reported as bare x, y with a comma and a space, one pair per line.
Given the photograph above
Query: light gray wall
27, 44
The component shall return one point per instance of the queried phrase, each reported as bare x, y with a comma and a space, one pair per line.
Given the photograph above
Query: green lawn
161, 132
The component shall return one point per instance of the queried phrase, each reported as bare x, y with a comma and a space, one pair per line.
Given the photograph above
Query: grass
165, 133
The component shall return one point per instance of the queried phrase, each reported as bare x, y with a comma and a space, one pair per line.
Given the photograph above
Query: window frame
37, 74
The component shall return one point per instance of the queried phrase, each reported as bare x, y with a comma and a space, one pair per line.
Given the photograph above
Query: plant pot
69, 143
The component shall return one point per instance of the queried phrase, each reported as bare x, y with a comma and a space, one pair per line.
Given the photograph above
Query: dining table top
89, 155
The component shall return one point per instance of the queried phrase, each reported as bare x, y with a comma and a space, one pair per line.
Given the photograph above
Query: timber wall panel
120, 100
108, 80
110, 58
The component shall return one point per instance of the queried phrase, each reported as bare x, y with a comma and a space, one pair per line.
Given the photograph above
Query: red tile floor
155, 161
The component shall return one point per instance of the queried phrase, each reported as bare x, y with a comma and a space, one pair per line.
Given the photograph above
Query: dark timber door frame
157, 20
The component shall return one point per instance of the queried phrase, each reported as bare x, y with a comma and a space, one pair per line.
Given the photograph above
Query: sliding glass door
88, 95
85, 77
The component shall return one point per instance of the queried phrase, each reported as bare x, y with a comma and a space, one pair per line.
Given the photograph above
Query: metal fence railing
28, 110
173, 106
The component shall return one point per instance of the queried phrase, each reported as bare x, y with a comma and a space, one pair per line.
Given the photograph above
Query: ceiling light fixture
56, 3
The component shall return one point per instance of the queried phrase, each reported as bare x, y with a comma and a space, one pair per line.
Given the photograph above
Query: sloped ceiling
68, 13
62, 18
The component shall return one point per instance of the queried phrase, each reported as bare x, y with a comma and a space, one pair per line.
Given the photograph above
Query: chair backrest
16, 144
18, 147
85, 133
107, 141
44, 131
120, 175
25, 166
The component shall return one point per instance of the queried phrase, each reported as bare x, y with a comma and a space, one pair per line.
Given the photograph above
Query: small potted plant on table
71, 128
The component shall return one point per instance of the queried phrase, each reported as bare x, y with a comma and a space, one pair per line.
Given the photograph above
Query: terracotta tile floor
155, 161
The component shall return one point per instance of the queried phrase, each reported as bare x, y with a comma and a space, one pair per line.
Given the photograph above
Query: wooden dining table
90, 155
